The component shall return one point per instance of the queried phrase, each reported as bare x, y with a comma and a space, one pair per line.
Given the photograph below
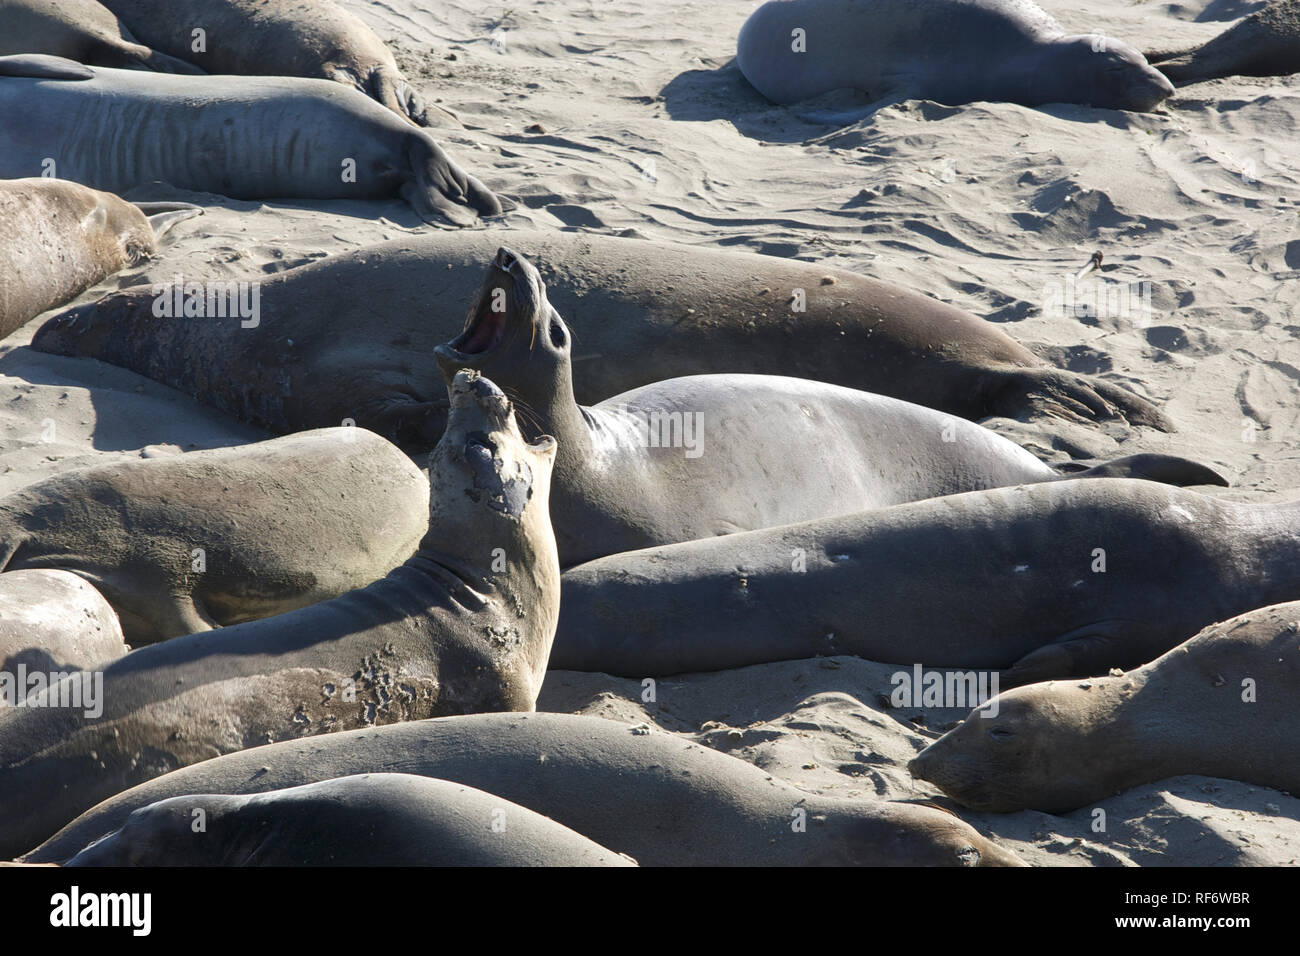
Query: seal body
952, 51
1266, 43
276, 38
383, 819
1222, 705
244, 137
712, 455
465, 625
641, 312
661, 799
81, 30
52, 621
1040, 581
58, 238
188, 542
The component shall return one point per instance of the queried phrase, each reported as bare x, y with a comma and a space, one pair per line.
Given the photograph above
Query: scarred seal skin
640, 311
1221, 705
192, 541
247, 137
661, 799
374, 819
58, 238
952, 51
463, 626
708, 455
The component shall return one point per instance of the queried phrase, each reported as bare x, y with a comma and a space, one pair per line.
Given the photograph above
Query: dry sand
627, 117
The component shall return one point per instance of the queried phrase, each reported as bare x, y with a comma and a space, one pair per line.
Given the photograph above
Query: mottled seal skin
952, 51
1006, 579
756, 438
640, 311
281, 524
1222, 705
661, 799
380, 819
55, 621
277, 38
1266, 43
59, 238
463, 626
81, 30
246, 137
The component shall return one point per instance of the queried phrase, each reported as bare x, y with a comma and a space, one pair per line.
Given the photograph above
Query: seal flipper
42, 66
1088, 651
1166, 469
440, 190
163, 215
394, 91
1072, 396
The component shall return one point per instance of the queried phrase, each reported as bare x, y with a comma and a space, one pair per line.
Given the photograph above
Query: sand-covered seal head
1045, 748
514, 331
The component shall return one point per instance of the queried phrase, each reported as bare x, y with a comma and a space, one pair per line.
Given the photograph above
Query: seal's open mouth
483, 331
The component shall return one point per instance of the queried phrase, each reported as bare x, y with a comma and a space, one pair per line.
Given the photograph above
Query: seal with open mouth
463, 626
708, 455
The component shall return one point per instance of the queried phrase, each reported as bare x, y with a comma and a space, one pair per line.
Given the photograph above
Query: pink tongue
484, 331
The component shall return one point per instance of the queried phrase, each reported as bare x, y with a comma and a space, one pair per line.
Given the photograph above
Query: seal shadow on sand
724, 94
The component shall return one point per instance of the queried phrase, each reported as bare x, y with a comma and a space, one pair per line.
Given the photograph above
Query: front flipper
1088, 651
1072, 396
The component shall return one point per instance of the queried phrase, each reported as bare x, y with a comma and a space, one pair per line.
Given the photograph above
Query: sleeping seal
1223, 705
372, 819
188, 542
81, 30
242, 136
1266, 43
661, 799
1047, 580
711, 455
641, 311
952, 51
59, 238
276, 38
465, 625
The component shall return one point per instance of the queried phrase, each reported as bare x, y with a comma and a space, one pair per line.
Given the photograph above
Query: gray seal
277, 38
661, 799
952, 51
711, 455
188, 542
1266, 43
81, 30
59, 238
1220, 705
642, 312
53, 621
373, 819
1037, 582
241, 136
463, 626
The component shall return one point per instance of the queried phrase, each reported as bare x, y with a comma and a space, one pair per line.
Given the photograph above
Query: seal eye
1001, 734
558, 338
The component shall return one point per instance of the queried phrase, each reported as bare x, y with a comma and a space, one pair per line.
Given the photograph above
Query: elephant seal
1223, 704
465, 625
661, 799
81, 30
1266, 43
373, 819
277, 38
1041, 581
642, 312
242, 136
952, 51
710, 455
189, 542
59, 238
52, 621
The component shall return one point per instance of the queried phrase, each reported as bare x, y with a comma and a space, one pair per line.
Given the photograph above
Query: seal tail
440, 190
1166, 469
1075, 397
